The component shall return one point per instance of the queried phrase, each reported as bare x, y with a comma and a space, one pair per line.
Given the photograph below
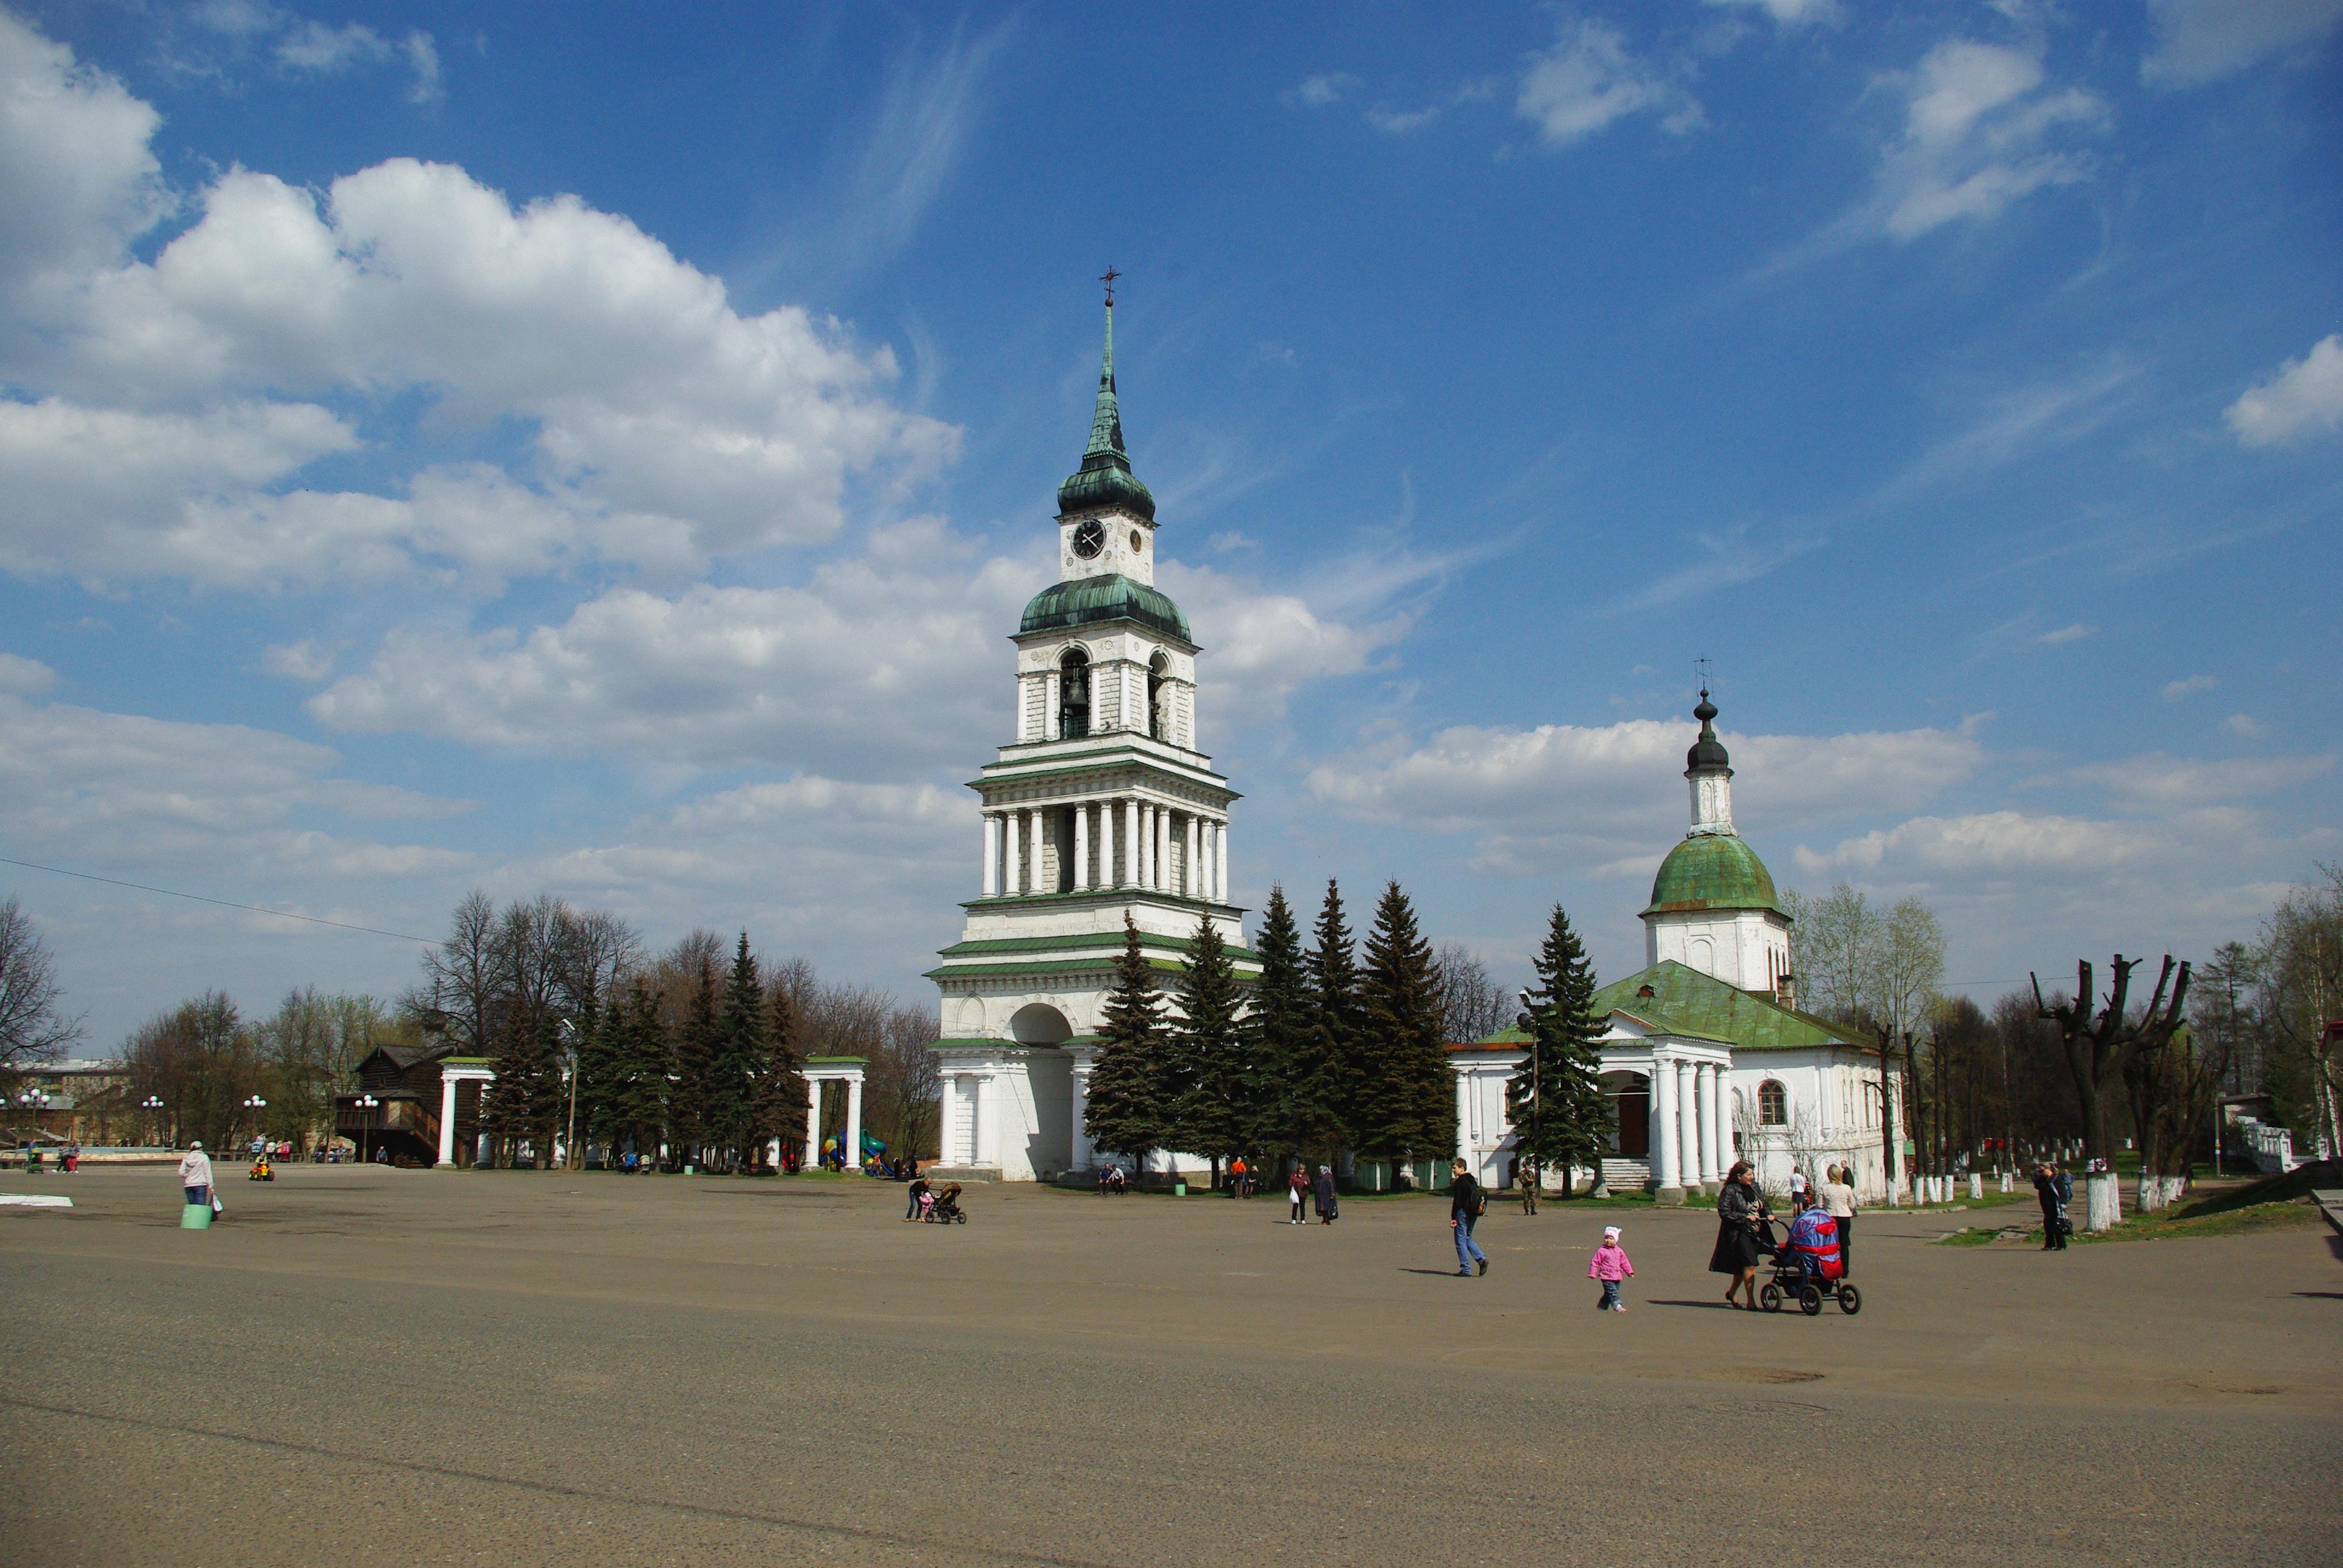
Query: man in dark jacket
1464, 1208
2054, 1219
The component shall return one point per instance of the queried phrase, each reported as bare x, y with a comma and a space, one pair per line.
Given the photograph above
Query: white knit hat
1610, 1233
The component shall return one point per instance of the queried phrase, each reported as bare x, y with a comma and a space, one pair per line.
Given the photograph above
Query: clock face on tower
1089, 538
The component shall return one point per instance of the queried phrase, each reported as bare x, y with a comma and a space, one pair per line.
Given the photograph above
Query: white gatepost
1688, 1125
814, 1119
854, 1123
447, 1119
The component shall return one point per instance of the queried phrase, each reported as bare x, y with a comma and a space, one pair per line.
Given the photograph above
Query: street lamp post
254, 1103
367, 1104
150, 1105
569, 1160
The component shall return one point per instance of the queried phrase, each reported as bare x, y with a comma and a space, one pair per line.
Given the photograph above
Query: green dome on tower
1110, 597
1713, 871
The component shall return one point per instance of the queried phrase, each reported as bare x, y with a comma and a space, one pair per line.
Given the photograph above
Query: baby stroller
1808, 1266
943, 1207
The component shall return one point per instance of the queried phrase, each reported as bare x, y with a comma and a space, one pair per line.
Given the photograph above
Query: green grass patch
2289, 1214
1974, 1236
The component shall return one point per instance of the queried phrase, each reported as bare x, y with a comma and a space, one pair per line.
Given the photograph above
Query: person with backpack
1466, 1204
2053, 1187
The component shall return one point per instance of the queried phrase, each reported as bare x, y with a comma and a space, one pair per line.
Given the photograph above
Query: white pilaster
1162, 882
1220, 863
1106, 844
447, 1119
814, 1119
1665, 1167
1189, 883
1081, 847
1012, 840
1036, 818
991, 854
1688, 1116
980, 1140
854, 1123
1146, 845
1130, 842
1051, 726
1081, 1157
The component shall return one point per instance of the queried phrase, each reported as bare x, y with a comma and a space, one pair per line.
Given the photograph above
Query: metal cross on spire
1702, 665
1108, 278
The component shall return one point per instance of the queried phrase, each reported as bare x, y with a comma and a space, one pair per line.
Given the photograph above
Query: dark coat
1736, 1232
1324, 1190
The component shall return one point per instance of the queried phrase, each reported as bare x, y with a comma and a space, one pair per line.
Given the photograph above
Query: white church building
1100, 808
1705, 1054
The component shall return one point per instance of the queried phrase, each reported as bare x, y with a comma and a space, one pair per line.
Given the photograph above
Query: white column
447, 1119
1664, 1113
1163, 848
1012, 843
980, 1131
1710, 1159
1220, 863
1049, 725
1106, 844
1079, 1153
1081, 847
1719, 1124
1464, 1150
1036, 818
1130, 842
1146, 845
1688, 1114
854, 1123
1191, 881
991, 854
814, 1119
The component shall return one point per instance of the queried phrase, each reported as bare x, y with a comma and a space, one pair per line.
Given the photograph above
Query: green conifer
1129, 1112
688, 1131
778, 1097
1299, 1109
736, 1060
1555, 1099
1336, 1018
1406, 1103
1213, 1048
646, 1064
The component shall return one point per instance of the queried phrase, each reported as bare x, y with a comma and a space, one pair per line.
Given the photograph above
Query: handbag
219, 1208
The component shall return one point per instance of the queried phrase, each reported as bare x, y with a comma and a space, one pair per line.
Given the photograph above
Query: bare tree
199, 1060
2098, 1044
1473, 1006
32, 1028
1835, 951
463, 977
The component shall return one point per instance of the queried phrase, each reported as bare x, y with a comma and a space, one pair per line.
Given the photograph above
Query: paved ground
367, 1366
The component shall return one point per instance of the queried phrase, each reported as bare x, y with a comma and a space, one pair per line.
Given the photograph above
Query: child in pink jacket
1610, 1266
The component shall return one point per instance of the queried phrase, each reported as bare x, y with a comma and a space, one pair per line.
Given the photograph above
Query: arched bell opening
1039, 1023
1073, 694
1159, 724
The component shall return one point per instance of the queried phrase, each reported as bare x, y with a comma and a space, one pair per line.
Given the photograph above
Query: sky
604, 450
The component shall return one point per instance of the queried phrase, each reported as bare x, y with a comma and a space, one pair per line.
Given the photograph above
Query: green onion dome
1111, 596
1713, 871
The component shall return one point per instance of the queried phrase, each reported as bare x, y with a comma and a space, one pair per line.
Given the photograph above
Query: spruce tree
600, 1066
1407, 1096
1128, 1112
647, 1062
736, 1060
694, 1058
516, 1107
1336, 1020
1555, 1099
544, 1106
1299, 1109
1213, 1051
779, 1096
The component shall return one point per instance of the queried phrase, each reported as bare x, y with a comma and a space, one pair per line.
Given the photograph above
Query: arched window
1073, 695
1158, 696
1773, 1104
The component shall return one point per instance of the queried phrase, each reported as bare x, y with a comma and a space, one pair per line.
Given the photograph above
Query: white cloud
319, 49
422, 62
2245, 726
122, 791
2304, 399
2173, 690
1791, 13
1607, 799
307, 662
2075, 633
1324, 88
1998, 843
2197, 41
78, 180
24, 676
2157, 782
1588, 80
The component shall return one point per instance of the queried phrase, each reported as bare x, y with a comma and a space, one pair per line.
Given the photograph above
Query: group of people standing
1745, 1232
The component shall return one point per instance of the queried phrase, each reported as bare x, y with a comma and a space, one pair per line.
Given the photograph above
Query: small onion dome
1707, 751
1713, 871
1112, 596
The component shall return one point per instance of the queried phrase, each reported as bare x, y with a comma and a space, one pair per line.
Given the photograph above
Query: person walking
1528, 1177
2048, 1191
1322, 1189
1237, 1178
1837, 1199
196, 1175
1297, 1192
1610, 1265
1739, 1209
1465, 1206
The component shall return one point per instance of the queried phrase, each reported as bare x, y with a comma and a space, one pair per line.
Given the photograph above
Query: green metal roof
1713, 871
1112, 596
1105, 478
1684, 1001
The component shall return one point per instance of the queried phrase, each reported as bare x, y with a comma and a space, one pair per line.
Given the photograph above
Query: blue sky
566, 447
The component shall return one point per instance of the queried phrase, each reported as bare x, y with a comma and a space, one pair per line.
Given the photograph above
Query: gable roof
402, 1058
1691, 1005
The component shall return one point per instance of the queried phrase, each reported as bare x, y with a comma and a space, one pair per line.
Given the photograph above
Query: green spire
1106, 423
1105, 478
